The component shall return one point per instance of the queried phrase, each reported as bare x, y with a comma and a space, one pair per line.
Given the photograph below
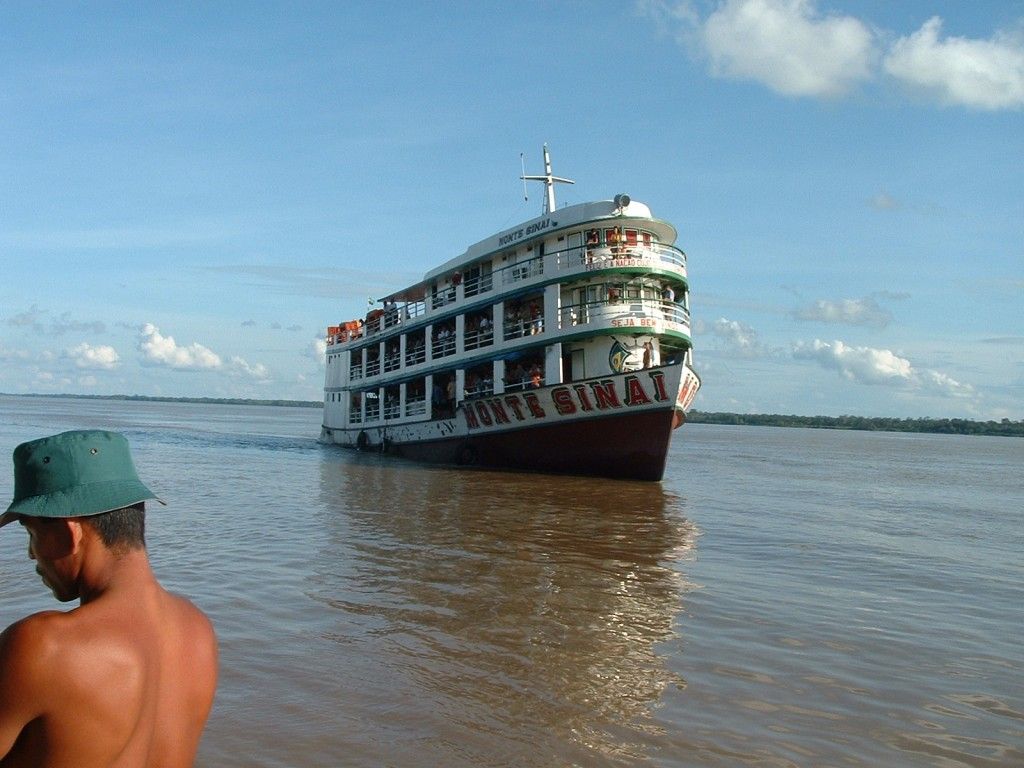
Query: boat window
613, 237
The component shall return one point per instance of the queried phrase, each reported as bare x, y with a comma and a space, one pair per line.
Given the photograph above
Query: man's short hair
121, 529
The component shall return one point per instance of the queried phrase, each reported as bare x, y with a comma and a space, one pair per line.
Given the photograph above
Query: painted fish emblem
617, 357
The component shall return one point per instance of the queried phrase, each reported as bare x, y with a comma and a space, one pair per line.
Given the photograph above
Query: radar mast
549, 182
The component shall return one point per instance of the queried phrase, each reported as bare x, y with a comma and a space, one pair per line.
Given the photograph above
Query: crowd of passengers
517, 377
523, 376
479, 325
523, 320
415, 347
444, 339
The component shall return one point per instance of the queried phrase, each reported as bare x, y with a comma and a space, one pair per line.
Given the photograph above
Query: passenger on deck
536, 376
536, 319
615, 241
593, 240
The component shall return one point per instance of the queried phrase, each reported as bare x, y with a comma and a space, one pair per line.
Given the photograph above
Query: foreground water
785, 597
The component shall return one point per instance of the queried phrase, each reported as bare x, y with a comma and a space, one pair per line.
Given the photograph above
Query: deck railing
443, 297
651, 310
477, 285
415, 356
598, 256
524, 270
477, 339
416, 406
443, 347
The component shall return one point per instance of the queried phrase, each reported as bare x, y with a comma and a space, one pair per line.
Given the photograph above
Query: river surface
785, 597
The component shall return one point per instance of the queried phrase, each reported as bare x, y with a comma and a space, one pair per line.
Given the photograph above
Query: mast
549, 182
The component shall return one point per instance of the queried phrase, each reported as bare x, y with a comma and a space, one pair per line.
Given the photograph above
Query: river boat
559, 345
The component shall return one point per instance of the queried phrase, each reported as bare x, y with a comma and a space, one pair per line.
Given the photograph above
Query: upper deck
580, 246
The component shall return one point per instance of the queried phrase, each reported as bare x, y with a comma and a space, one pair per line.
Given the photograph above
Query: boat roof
599, 213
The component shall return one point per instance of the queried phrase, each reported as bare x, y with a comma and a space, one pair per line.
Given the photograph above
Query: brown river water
785, 597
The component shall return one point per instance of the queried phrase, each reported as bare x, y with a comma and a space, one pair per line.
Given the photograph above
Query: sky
191, 192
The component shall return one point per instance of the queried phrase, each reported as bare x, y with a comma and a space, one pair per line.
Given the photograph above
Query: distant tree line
877, 424
201, 400
1005, 427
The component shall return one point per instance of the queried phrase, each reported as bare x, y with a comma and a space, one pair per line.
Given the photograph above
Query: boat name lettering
519, 234
628, 322
610, 263
594, 395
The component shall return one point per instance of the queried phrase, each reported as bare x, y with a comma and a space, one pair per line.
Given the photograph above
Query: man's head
60, 545
71, 489
74, 474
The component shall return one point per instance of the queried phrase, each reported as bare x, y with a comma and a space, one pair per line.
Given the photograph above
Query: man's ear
73, 533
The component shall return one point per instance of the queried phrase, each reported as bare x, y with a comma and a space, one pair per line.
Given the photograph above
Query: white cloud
866, 365
788, 46
796, 50
256, 371
101, 357
866, 312
984, 74
13, 354
317, 350
31, 318
883, 201
65, 324
164, 350
941, 384
739, 339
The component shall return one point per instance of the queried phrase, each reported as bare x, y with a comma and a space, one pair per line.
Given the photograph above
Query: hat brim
81, 501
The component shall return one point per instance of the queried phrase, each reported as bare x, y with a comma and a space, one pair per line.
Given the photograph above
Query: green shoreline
1003, 428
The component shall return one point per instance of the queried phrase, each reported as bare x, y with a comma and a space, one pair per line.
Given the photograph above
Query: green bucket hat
74, 474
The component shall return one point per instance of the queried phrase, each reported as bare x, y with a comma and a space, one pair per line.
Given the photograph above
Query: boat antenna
522, 162
549, 182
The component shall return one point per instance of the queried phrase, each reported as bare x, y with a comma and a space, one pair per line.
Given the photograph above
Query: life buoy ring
362, 440
467, 455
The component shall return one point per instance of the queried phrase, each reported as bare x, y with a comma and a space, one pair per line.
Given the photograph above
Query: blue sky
190, 193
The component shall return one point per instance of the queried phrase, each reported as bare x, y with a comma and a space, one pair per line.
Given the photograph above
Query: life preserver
467, 455
362, 440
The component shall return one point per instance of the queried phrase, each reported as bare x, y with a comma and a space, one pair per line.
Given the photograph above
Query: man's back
126, 680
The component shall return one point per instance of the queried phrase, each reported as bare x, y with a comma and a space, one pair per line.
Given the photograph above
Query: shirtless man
127, 679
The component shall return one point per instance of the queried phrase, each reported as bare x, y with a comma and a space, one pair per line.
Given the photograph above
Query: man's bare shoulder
183, 623
189, 615
31, 658
36, 638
